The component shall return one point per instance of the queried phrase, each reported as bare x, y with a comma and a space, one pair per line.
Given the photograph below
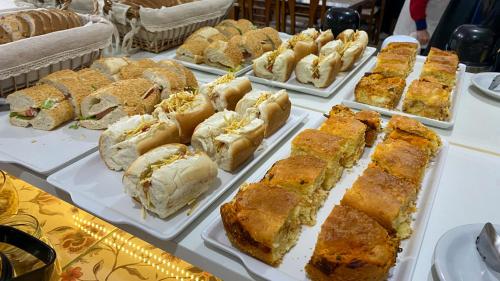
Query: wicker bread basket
24, 62
156, 30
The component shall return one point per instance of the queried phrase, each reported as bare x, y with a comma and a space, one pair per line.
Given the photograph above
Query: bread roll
273, 108
223, 54
324, 37
332, 46
226, 91
168, 178
321, 71
228, 138
186, 110
346, 35
192, 51
110, 66
275, 65
128, 138
352, 52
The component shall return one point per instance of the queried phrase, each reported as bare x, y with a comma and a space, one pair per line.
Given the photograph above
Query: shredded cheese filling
146, 175
221, 80
297, 38
143, 127
179, 102
315, 68
233, 124
263, 97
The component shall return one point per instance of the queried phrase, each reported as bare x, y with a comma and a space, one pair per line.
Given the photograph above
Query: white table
468, 192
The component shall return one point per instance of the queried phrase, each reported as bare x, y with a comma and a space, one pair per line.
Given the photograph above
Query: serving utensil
495, 83
488, 246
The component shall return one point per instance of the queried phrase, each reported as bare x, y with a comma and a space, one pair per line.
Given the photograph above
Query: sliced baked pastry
352, 246
304, 175
428, 99
376, 188
262, 221
378, 90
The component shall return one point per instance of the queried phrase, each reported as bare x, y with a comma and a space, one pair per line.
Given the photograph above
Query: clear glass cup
9, 199
22, 261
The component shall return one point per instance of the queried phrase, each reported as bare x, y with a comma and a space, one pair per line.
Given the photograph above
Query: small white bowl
483, 80
456, 257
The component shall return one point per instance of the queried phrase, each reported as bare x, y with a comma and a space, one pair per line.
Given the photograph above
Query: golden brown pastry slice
262, 221
410, 130
402, 159
376, 188
304, 175
373, 124
440, 73
352, 130
428, 99
352, 246
324, 146
378, 90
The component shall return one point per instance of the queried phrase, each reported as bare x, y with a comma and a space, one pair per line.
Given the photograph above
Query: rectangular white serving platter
295, 85
216, 70
292, 267
350, 100
99, 190
44, 151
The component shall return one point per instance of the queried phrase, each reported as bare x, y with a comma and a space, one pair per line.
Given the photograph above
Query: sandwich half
128, 138
186, 110
226, 91
229, 138
168, 178
223, 54
119, 99
273, 108
320, 71
110, 66
43, 106
275, 65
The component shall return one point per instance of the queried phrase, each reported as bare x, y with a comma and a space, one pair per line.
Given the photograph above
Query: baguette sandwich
186, 110
76, 85
273, 108
332, 46
275, 65
130, 137
168, 81
207, 33
110, 66
223, 54
183, 73
43, 106
229, 138
273, 39
168, 178
135, 68
119, 99
226, 91
320, 71
192, 50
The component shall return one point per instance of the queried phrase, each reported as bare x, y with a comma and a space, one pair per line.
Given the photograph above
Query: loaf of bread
29, 23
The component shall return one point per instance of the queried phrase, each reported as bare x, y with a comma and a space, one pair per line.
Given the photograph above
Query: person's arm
417, 13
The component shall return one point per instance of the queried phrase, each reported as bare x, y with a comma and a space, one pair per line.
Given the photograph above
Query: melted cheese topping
179, 102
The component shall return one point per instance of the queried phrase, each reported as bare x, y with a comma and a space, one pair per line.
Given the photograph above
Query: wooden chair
373, 15
309, 11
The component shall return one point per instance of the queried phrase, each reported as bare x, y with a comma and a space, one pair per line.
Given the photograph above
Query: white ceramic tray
100, 191
294, 84
44, 151
215, 70
350, 101
292, 267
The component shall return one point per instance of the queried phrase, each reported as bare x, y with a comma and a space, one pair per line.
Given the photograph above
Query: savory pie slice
393, 65
428, 99
329, 148
443, 57
406, 128
406, 49
352, 246
438, 72
378, 90
262, 221
384, 197
402, 159
304, 175
352, 130
373, 124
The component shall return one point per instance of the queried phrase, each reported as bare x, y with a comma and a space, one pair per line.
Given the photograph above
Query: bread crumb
33, 141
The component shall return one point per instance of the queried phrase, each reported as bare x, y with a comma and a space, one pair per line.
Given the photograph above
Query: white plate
99, 190
294, 84
350, 101
215, 70
44, 151
483, 81
292, 267
456, 257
